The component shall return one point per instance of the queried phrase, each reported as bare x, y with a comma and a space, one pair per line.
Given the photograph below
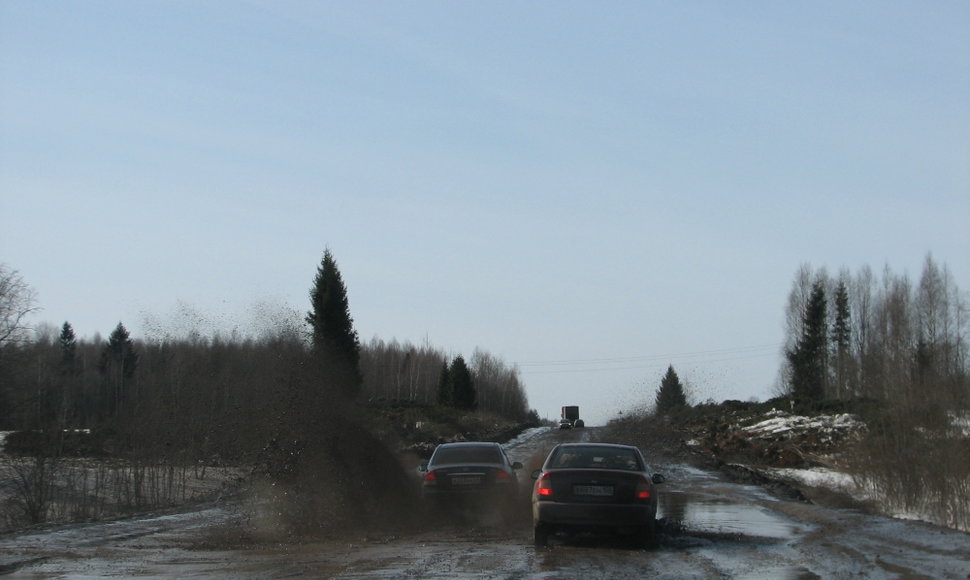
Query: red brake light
430, 478
502, 476
544, 486
643, 489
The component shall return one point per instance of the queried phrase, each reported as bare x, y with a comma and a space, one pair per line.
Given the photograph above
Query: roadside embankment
839, 458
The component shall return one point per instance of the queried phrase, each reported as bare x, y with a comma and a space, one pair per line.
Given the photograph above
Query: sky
588, 191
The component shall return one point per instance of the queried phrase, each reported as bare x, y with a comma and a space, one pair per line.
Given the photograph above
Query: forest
191, 386
287, 402
879, 337
895, 353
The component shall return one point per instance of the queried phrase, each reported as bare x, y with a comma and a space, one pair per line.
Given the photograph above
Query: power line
628, 362
651, 357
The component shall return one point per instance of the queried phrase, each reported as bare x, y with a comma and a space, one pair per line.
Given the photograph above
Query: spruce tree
117, 366
445, 387
68, 342
670, 395
67, 390
808, 359
841, 341
333, 337
463, 386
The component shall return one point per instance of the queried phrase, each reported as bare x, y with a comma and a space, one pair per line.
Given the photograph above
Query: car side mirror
423, 467
658, 478
517, 465
536, 474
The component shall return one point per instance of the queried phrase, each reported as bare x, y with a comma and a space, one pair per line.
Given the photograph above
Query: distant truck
570, 418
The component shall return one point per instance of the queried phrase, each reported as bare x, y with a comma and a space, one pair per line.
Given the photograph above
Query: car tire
540, 535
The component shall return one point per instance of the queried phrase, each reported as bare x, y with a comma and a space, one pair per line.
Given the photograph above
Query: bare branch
17, 300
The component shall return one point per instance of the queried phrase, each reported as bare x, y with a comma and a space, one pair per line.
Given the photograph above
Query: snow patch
782, 425
815, 477
840, 482
525, 436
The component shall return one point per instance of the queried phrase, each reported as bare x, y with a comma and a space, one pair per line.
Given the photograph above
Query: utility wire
624, 363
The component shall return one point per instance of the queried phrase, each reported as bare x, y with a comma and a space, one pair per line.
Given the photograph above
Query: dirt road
710, 528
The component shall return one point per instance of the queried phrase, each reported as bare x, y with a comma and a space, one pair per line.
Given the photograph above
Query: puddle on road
693, 514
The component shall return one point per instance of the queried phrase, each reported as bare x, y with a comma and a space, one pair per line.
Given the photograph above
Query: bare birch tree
17, 302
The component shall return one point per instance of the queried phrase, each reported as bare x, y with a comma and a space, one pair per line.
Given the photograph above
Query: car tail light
643, 489
544, 487
502, 476
430, 478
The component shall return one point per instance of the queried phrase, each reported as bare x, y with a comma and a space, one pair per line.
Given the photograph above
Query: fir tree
117, 366
463, 386
68, 342
670, 395
808, 359
445, 387
67, 385
841, 341
333, 337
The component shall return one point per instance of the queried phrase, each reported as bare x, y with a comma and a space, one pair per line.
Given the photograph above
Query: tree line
204, 391
887, 348
292, 404
896, 352
85, 383
884, 338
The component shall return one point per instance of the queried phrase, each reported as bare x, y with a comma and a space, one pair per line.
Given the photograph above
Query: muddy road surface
710, 528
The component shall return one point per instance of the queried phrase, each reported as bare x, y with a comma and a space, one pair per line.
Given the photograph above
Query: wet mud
709, 526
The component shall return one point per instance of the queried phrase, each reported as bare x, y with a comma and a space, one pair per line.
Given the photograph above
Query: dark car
595, 487
469, 475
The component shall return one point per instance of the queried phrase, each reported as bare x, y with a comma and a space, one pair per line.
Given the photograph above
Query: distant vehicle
595, 487
570, 415
469, 475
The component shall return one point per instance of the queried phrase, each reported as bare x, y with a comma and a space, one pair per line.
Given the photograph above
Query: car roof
603, 445
616, 446
470, 444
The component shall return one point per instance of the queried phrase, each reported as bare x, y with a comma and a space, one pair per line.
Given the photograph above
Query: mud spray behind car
470, 476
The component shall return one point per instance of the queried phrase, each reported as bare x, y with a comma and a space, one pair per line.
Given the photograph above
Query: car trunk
594, 486
465, 477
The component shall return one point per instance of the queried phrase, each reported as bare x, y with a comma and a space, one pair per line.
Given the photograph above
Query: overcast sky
591, 191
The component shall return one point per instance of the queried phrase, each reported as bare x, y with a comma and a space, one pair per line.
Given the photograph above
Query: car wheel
540, 534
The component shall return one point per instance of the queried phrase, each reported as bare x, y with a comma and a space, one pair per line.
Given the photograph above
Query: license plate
593, 490
465, 480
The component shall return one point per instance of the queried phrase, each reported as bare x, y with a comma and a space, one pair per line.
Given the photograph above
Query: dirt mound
775, 438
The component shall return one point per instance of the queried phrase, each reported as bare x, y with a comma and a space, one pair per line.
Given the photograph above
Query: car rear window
596, 458
467, 455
